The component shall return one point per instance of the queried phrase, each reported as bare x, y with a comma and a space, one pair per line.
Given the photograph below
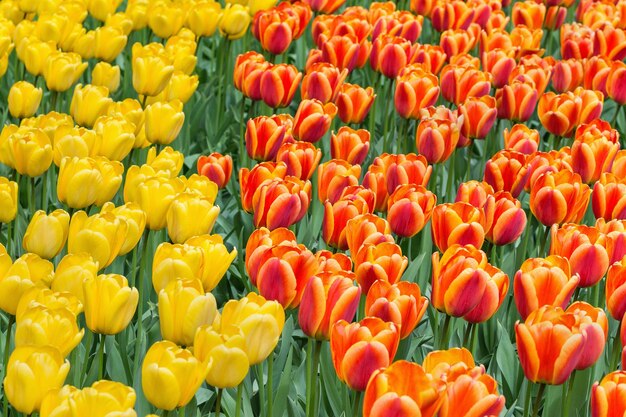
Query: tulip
608, 197
457, 223
436, 139
298, 9
354, 102
509, 220
164, 122
274, 29
278, 85
301, 158
234, 22
8, 200
506, 171
404, 169
466, 285
166, 364
312, 120
216, 167
416, 89
350, 145
46, 234
281, 202
34, 53
529, 14
175, 261
517, 100
251, 179
327, 298
189, 215
499, 63
110, 303
167, 161
359, 349
249, 68
151, 69
345, 52
593, 323
106, 75
559, 113
204, 17
323, 82
375, 180
409, 209
28, 150
521, 139
181, 50
71, 272
225, 349
380, 261
213, 248
609, 42
404, 389
479, 115
180, 87
74, 141
460, 83
559, 197
107, 396
367, 228
325, 6
261, 321
333, 177
89, 103
109, 41
567, 75
31, 373
390, 54
607, 395
166, 19
154, 196
40, 296
26, 272
24, 99
262, 239
41, 327
79, 175
118, 137
336, 217
616, 78
101, 235
265, 135
62, 70
595, 146
563, 345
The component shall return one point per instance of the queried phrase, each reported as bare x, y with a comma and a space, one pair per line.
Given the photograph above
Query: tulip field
312, 208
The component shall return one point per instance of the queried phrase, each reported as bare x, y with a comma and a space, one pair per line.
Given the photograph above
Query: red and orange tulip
378, 261
607, 396
457, 224
216, 167
281, 202
479, 115
367, 228
593, 324
409, 208
558, 197
278, 85
350, 145
560, 113
336, 217
437, 138
460, 83
251, 179
322, 82
521, 139
609, 197
354, 102
264, 135
506, 171
616, 290
390, 54
312, 120
334, 176
509, 219
274, 29
416, 89
404, 169
301, 158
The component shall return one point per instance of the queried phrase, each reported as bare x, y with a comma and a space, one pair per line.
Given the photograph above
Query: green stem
445, 333
44, 191
386, 113
30, 189
529, 390
567, 389
238, 403
181, 411
309, 367
538, 400
218, 402
142, 268
53, 100
101, 360
467, 336
316, 360
242, 148
546, 234
7, 349
270, 385
468, 171
614, 119
9, 238
357, 403
615, 351
166, 413
449, 190
372, 113
259, 369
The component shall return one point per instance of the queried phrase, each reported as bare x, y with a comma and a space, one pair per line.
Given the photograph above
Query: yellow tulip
88, 103
49, 122
190, 215
175, 262
24, 99
203, 18
101, 235
134, 217
28, 150
261, 322
112, 172
23, 30
109, 42
122, 21
42, 296
76, 180
118, 136
168, 161
83, 44
152, 69
101, 9
46, 234
8, 200
226, 351
28, 6
43, 326
62, 70
216, 256
165, 19
109, 303
72, 271
5, 261
234, 22
182, 52
74, 142
154, 196
10, 10
76, 10
106, 75
167, 365
131, 110
137, 10
181, 87
31, 373
71, 33
4, 64
183, 307
34, 53
136, 175
164, 121
256, 5
50, 26
26, 272
103, 398
201, 185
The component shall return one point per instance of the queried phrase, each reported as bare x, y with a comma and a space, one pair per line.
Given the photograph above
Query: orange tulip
559, 197
382, 261
559, 114
528, 13
608, 397
400, 303
431, 57
327, 298
596, 72
410, 207
359, 349
457, 223
614, 232
615, 82
281, 202
521, 139
616, 290
403, 389
262, 239
466, 285
460, 83
610, 42
594, 149
216, 167
543, 281
455, 14
567, 75
390, 54
299, 10
375, 180
537, 71
457, 42
333, 262
264, 135
251, 179
249, 68
350, 145
344, 51
619, 164
312, 120
354, 102
322, 82
548, 345
325, 6
499, 63
274, 29
541, 162
576, 41
480, 195
301, 158
506, 171
517, 101
436, 139
479, 115
334, 176
415, 89
592, 103
509, 220
404, 169
278, 85
609, 197
336, 217
367, 228
593, 324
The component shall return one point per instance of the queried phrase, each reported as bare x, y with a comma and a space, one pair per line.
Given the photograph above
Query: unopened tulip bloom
175, 261
166, 161
312, 120
151, 71
26, 272
479, 115
190, 215
274, 29
517, 100
367, 228
615, 81
265, 135
261, 321
102, 397
594, 149
323, 82
559, 197
164, 122
216, 167
416, 89
466, 285
204, 17
559, 114
460, 83
506, 171
88, 103
607, 396
328, 297
436, 139
615, 290
521, 139
562, 345
24, 99
380, 261
31, 373
225, 349
336, 217
213, 249
281, 202
71, 272
8, 200
234, 22
28, 150
46, 234
593, 323
75, 141
110, 303
62, 70
409, 208
40, 296
101, 235
567, 75
334, 176
301, 158
457, 223
262, 239
106, 75
118, 136
350, 145
390, 54
183, 308
155, 195
166, 364
609, 197
359, 349
278, 85
404, 169
509, 219
354, 102
42, 326
400, 303
251, 179
404, 389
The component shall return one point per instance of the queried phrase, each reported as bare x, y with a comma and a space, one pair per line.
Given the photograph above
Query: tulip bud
71, 272
354, 102
301, 158
281, 202
8, 200
234, 22
164, 122
409, 208
378, 261
154, 196
564, 193
106, 75
521, 139
100, 235
278, 85
250, 180
264, 135
204, 17
166, 19
28, 150
46, 234
89, 103
152, 70
216, 167
62, 70
24, 99
189, 215
457, 224
110, 303
350, 145
322, 82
